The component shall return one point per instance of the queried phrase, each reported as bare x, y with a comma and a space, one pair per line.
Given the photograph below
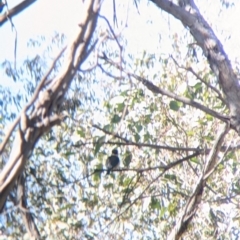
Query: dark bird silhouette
112, 161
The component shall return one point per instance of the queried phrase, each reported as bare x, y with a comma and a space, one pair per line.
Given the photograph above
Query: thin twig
155, 89
201, 79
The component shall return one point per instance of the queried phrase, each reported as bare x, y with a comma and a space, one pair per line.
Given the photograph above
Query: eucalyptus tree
173, 118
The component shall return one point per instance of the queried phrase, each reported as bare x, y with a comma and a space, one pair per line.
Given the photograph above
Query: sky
44, 17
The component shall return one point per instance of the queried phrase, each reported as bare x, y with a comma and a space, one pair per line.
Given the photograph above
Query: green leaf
108, 185
98, 145
155, 204
127, 159
101, 139
126, 181
146, 137
68, 153
107, 127
67, 206
140, 93
195, 160
115, 119
209, 117
137, 137
128, 190
125, 93
172, 208
120, 107
147, 118
139, 127
97, 176
81, 132
48, 211
170, 177
175, 105
198, 87
162, 211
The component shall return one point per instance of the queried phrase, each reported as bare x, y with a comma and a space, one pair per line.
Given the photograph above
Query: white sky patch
43, 17
142, 32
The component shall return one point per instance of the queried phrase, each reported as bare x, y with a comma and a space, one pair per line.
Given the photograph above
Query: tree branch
195, 199
32, 127
34, 97
155, 89
212, 48
16, 10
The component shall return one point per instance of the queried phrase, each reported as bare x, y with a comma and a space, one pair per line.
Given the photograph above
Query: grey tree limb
34, 97
196, 197
43, 117
15, 10
155, 89
205, 37
21, 201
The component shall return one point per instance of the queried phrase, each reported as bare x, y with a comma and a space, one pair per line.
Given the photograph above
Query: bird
112, 161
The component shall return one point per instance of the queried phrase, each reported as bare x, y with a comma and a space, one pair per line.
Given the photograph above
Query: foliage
107, 107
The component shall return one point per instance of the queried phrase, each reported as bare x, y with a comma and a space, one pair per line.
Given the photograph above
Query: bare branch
219, 95
194, 200
212, 48
128, 142
16, 10
165, 168
158, 90
26, 214
34, 97
162, 167
185, 100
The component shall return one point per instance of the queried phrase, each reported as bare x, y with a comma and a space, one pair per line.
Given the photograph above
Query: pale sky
46, 16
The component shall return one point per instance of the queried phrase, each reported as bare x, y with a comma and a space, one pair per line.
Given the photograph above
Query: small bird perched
112, 161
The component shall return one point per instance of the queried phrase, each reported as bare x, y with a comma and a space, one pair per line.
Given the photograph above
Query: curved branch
212, 48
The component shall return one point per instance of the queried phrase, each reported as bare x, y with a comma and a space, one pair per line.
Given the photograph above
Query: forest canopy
155, 83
